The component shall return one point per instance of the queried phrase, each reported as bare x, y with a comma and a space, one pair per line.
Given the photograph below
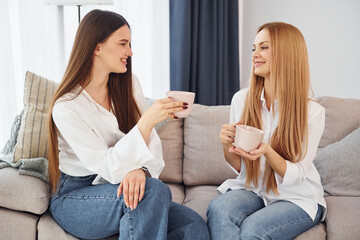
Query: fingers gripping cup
247, 138
182, 96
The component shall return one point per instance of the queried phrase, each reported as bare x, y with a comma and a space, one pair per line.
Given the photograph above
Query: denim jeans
91, 211
241, 214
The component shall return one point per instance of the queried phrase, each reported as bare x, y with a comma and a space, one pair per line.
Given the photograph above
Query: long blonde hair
95, 28
290, 83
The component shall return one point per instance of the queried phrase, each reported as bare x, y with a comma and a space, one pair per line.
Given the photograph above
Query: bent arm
297, 172
232, 158
110, 162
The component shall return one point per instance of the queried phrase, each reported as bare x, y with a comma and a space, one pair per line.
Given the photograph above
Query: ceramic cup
247, 138
182, 96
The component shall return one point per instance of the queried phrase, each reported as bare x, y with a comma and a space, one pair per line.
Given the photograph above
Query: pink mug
247, 138
182, 96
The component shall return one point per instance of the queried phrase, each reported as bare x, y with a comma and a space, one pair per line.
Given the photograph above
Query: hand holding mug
248, 142
227, 133
163, 109
182, 96
252, 155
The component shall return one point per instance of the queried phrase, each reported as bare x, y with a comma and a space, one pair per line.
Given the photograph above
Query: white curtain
150, 33
38, 38
29, 41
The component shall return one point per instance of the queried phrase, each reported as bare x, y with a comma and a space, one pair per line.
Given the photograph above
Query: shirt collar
263, 100
262, 97
101, 108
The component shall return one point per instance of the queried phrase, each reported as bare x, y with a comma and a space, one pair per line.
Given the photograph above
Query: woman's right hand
227, 138
163, 109
227, 133
160, 110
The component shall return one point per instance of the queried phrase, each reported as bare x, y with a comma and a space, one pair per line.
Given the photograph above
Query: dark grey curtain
204, 49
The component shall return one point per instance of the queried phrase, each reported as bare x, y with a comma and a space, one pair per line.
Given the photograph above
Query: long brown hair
290, 83
95, 28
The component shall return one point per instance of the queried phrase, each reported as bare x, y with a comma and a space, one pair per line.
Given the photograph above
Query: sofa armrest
23, 193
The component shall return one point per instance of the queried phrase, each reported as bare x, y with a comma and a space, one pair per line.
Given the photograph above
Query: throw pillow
339, 166
342, 116
204, 161
32, 136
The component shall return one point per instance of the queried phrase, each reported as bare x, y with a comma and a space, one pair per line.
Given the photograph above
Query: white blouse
90, 141
301, 183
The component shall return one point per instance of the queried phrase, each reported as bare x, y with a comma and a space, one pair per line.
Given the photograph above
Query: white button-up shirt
90, 141
301, 183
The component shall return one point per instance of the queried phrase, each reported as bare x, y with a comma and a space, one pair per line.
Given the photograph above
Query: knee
199, 229
248, 231
185, 223
158, 190
217, 210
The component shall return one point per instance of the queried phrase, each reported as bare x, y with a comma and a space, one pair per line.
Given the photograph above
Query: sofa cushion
177, 192
171, 135
204, 162
339, 166
198, 198
23, 193
17, 225
49, 229
318, 232
343, 218
32, 137
342, 116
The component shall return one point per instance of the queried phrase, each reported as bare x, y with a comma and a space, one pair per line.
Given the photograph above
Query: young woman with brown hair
278, 192
102, 144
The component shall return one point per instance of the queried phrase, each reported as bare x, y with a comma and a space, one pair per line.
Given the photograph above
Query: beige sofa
194, 168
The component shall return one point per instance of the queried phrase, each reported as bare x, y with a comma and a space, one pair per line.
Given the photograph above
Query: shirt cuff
290, 177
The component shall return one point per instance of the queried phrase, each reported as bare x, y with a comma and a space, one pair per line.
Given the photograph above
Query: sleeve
154, 144
297, 172
233, 107
237, 103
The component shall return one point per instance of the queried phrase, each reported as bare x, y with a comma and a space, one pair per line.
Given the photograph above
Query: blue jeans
241, 214
94, 211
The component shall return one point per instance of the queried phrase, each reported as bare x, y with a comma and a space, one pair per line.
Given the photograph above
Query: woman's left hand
253, 154
133, 188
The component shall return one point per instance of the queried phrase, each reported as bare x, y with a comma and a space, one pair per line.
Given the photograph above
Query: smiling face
115, 51
262, 54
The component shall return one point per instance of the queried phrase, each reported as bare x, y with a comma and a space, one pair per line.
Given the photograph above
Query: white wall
332, 32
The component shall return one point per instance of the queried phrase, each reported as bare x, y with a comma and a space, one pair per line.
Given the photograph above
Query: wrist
267, 149
144, 125
145, 170
227, 145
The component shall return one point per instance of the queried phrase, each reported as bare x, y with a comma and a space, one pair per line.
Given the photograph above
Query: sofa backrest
193, 152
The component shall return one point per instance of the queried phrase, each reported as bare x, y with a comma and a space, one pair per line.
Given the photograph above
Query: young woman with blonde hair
278, 192
102, 144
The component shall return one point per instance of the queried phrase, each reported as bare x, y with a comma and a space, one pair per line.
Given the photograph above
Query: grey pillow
339, 166
204, 161
342, 116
